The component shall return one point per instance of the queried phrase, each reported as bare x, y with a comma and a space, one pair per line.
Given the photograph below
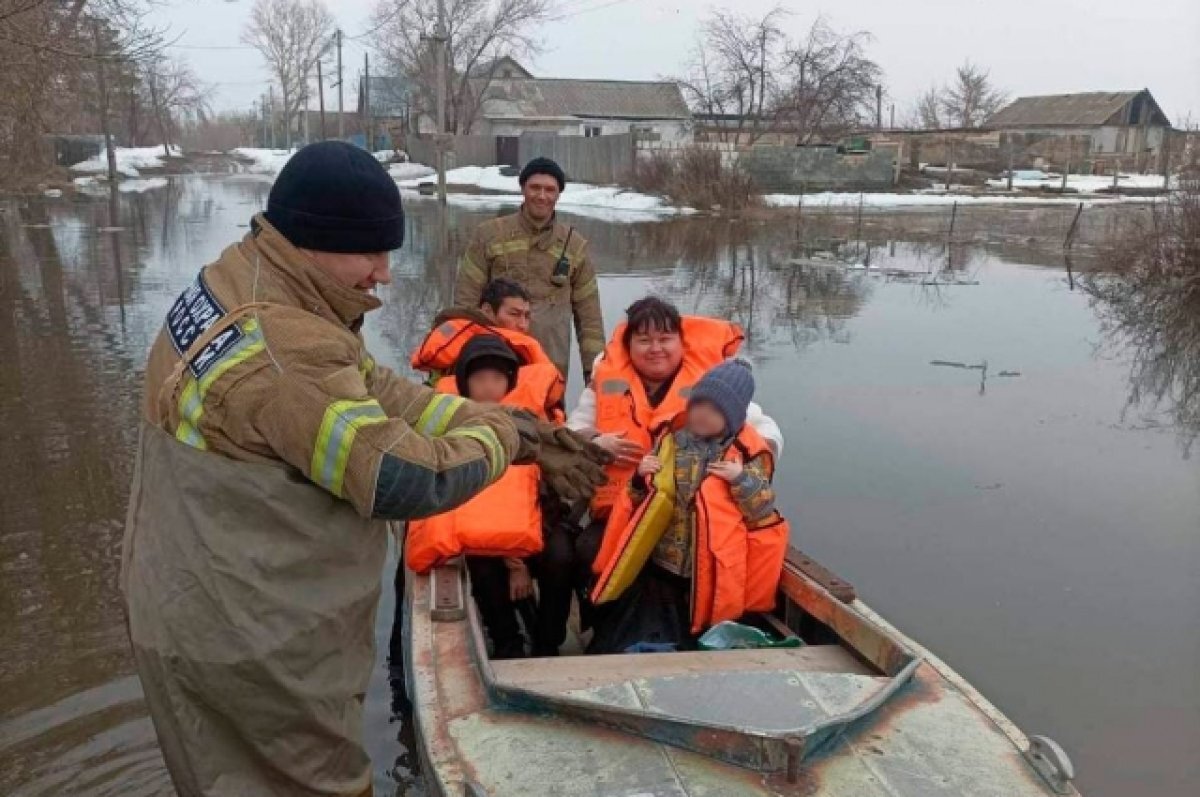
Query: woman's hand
726, 471
625, 452
649, 465
520, 582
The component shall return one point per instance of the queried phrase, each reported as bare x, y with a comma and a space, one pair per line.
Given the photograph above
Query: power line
585, 10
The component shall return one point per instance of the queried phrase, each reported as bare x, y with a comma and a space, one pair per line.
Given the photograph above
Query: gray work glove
572, 466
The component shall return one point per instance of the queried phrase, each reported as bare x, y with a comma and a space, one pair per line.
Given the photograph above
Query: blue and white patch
193, 312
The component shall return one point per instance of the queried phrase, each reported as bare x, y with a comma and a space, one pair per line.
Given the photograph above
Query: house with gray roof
518, 105
1128, 127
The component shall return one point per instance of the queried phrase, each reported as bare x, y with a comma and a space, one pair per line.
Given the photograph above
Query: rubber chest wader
251, 595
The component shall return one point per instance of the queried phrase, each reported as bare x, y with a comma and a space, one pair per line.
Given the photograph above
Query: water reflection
1149, 309
901, 471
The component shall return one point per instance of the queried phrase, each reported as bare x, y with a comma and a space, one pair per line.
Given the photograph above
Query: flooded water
959, 447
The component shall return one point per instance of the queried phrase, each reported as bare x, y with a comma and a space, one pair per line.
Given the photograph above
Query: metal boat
859, 711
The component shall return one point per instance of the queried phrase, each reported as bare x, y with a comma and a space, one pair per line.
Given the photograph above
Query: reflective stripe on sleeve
497, 457
508, 247
191, 401
436, 417
339, 427
468, 266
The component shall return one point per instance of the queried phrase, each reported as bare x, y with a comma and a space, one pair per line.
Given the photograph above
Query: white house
515, 103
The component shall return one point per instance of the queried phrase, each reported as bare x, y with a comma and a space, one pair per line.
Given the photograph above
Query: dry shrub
695, 177
1148, 298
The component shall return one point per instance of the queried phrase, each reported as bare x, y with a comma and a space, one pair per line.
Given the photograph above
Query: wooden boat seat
570, 673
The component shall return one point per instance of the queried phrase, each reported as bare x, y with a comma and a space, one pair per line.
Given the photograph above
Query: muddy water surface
959, 446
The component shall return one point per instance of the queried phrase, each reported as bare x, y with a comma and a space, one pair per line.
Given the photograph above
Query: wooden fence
600, 159
464, 151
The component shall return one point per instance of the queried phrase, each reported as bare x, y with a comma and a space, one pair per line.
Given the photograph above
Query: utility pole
321, 98
304, 105
440, 140
102, 86
366, 92
878, 106
892, 122
341, 110
265, 133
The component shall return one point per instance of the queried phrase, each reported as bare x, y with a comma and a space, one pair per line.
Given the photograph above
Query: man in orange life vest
503, 559
507, 305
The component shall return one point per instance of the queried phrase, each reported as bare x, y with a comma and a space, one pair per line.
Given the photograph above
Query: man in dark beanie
549, 259
273, 449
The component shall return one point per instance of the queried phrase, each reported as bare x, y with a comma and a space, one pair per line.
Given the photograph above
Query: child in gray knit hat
716, 413
715, 416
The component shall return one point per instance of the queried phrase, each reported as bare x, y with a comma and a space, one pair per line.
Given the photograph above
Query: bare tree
926, 112
50, 52
478, 34
1147, 296
734, 73
755, 80
291, 35
174, 91
830, 84
971, 98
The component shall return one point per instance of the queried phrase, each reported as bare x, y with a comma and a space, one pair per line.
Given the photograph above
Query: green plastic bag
735, 636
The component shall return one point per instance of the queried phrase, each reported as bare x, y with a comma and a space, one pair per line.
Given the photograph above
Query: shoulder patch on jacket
194, 311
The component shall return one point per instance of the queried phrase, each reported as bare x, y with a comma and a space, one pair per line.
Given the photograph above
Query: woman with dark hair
640, 383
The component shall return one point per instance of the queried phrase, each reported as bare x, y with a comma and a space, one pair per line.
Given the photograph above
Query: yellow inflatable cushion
644, 529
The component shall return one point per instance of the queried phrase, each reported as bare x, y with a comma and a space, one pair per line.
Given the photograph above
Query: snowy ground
1032, 178
876, 200
610, 203
136, 185
263, 161
129, 160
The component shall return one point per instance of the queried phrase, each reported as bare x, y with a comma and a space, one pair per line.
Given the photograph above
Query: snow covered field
875, 200
263, 161
1032, 178
129, 160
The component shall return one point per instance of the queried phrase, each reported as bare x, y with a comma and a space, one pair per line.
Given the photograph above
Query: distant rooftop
1084, 110
550, 98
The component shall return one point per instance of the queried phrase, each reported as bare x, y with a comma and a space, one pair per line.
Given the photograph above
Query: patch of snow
409, 171
388, 155
53, 193
1087, 183
263, 161
870, 200
99, 185
129, 160
608, 202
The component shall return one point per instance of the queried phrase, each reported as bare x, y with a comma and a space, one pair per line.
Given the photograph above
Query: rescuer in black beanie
543, 166
334, 197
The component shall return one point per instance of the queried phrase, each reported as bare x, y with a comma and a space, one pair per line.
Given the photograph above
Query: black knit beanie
334, 197
543, 166
485, 351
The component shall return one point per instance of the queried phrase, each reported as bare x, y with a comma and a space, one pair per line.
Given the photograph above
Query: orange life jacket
735, 569
504, 519
621, 402
440, 350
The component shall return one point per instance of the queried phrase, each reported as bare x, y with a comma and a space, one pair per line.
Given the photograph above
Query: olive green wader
251, 595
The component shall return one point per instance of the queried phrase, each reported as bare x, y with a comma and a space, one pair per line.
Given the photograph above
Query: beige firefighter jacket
251, 562
292, 381
517, 248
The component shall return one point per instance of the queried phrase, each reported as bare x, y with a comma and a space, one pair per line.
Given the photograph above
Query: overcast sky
1030, 46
